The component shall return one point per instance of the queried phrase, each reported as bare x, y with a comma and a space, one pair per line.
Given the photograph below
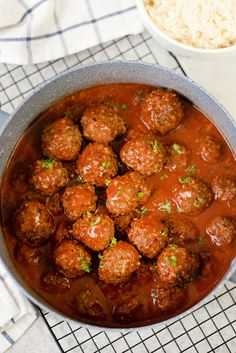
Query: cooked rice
205, 24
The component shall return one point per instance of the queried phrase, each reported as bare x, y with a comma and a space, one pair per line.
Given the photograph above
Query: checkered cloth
34, 31
16, 312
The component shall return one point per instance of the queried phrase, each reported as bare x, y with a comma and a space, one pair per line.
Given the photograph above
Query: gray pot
85, 76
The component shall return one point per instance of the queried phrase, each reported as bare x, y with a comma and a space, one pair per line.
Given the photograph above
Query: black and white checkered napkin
34, 31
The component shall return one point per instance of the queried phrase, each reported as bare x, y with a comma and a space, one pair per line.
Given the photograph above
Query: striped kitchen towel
16, 312
34, 31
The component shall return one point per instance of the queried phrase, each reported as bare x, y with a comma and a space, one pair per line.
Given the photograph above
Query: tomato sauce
194, 126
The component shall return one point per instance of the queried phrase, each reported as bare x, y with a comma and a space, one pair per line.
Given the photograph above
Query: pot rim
42, 303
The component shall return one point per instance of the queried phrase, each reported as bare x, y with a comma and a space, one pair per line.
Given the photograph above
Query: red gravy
193, 127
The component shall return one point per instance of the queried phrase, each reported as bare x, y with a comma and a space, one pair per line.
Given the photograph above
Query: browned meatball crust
97, 164
222, 230
162, 110
78, 200
54, 204
122, 222
224, 188
102, 123
149, 235
54, 282
180, 229
145, 154
49, 176
177, 265
95, 231
167, 298
178, 157
62, 232
28, 255
33, 223
127, 192
71, 259
118, 262
210, 149
88, 305
192, 195
61, 140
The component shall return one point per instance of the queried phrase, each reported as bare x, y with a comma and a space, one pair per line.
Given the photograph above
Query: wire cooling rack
210, 328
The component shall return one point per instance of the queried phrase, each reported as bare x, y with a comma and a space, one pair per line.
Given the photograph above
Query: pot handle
4, 120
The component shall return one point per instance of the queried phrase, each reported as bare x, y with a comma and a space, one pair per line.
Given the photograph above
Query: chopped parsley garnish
97, 220
119, 192
155, 145
112, 242
181, 210
119, 164
123, 106
174, 246
164, 176
177, 148
114, 155
100, 256
156, 170
166, 207
166, 258
140, 195
88, 214
198, 202
78, 180
105, 165
143, 212
162, 232
48, 164
173, 260
85, 267
107, 182
185, 180
192, 169
200, 240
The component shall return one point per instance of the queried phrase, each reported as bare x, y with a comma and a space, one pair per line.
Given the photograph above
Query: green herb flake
48, 164
155, 146
174, 246
85, 267
200, 240
162, 232
166, 207
78, 180
185, 180
107, 182
119, 164
88, 214
94, 223
177, 148
100, 256
119, 192
140, 195
123, 106
173, 260
142, 213
181, 210
105, 165
166, 258
112, 242
192, 169
164, 176
198, 202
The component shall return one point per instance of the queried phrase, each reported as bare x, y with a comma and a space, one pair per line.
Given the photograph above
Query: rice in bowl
207, 24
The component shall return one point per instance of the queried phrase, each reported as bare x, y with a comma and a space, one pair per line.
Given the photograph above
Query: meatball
192, 195
49, 176
145, 154
166, 298
178, 157
28, 255
126, 307
210, 149
62, 232
61, 140
118, 262
33, 223
224, 188
122, 222
78, 200
127, 192
102, 123
162, 110
181, 230
97, 164
54, 204
177, 265
71, 259
222, 230
95, 231
149, 235
88, 305
53, 282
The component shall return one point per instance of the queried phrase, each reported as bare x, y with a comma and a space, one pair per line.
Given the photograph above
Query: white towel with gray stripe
16, 312
34, 31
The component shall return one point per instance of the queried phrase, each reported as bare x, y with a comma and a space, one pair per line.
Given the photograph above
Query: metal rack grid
210, 328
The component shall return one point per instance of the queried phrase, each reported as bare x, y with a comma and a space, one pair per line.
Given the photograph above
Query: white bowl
179, 48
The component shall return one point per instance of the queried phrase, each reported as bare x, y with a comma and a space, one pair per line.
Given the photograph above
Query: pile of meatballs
106, 194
